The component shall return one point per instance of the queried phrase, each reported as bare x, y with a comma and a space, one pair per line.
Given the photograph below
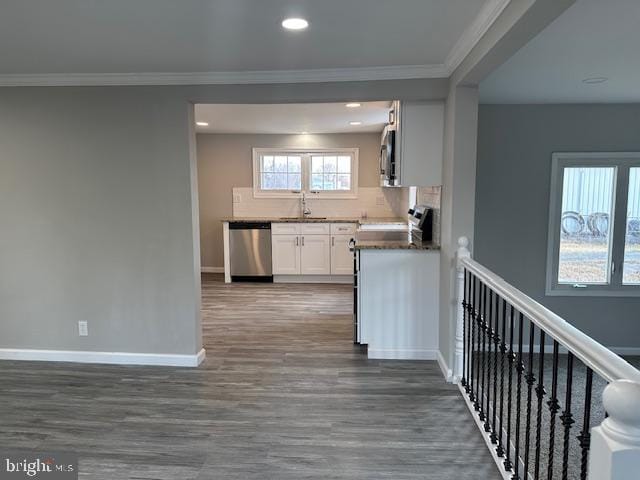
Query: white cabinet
419, 142
341, 255
315, 258
285, 254
320, 249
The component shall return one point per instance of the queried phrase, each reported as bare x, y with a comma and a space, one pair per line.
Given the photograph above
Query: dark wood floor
283, 394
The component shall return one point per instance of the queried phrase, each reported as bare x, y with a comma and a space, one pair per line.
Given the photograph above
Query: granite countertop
312, 219
395, 245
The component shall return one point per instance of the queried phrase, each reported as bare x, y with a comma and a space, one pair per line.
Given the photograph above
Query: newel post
615, 444
463, 252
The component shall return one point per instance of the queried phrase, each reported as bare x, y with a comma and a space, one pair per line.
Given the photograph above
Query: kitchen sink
303, 218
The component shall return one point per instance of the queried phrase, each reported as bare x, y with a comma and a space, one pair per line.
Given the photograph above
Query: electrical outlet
379, 200
83, 328
237, 198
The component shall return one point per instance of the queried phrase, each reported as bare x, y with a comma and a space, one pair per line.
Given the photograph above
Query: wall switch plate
237, 198
83, 328
379, 200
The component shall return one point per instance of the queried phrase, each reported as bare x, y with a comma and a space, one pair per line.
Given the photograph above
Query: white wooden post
463, 252
615, 444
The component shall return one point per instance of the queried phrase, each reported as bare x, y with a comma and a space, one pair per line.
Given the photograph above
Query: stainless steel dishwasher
250, 251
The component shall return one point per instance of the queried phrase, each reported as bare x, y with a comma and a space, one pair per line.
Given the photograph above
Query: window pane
631, 267
344, 164
274, 181
329, 182
267, 163
294, 164
330, 164
344, 182
316, 181
280, 164
316, 164
585, 226
295, 182
267, 181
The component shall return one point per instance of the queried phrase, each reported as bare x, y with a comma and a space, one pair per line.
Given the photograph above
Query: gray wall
96, 209
515, 143
225, 161
98, 202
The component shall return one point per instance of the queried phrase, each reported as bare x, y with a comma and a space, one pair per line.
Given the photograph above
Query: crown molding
401, 72
488, 14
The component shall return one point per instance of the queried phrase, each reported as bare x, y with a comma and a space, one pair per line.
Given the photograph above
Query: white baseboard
115, 358
313, 279
212, 269
446, 371
401, 354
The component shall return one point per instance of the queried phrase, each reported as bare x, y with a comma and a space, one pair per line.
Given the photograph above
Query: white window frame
306, 154
622, 161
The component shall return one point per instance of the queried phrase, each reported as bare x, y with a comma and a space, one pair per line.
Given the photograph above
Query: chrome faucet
303, 206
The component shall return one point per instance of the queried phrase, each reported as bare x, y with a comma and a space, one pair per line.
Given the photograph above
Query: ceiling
417, 38
593, 38
292, 118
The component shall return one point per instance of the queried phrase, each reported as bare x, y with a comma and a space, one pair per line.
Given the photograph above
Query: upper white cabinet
419, 142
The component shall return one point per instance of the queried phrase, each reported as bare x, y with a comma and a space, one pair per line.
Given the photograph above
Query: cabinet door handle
297, 241
333, 241
303, 241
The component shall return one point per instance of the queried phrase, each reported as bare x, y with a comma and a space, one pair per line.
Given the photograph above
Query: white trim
401, 354
227, 252
396, 72
506, 475
114, 358
212, 269
488, 14
305, 172
446, 371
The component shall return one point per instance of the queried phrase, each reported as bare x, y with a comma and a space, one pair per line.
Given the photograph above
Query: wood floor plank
283, 394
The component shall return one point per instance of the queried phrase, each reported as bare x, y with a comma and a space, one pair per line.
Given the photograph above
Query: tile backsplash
371, 202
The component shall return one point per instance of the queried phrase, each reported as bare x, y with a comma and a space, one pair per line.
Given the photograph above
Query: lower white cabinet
341, 255
307, 253
315, 255
285, 254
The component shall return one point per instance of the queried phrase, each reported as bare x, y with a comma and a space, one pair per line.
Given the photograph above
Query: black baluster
472, 320
540, 392
503, 350
554, 407
585, 437
531, 379
511, 357
482, 347
488, 323
496, 344
463, 380
477, 403
520, 370
567, 417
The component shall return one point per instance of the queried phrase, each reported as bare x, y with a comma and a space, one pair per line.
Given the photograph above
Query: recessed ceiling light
295, 23
594, 80
355, 123
202, 124
353, 105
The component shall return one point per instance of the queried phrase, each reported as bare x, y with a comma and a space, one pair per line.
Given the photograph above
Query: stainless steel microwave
388, 158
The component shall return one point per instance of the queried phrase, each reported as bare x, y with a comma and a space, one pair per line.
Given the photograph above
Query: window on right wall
594, 225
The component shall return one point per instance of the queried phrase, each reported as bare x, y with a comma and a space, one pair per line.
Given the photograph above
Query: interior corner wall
96, 207
515, 143
457, 202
